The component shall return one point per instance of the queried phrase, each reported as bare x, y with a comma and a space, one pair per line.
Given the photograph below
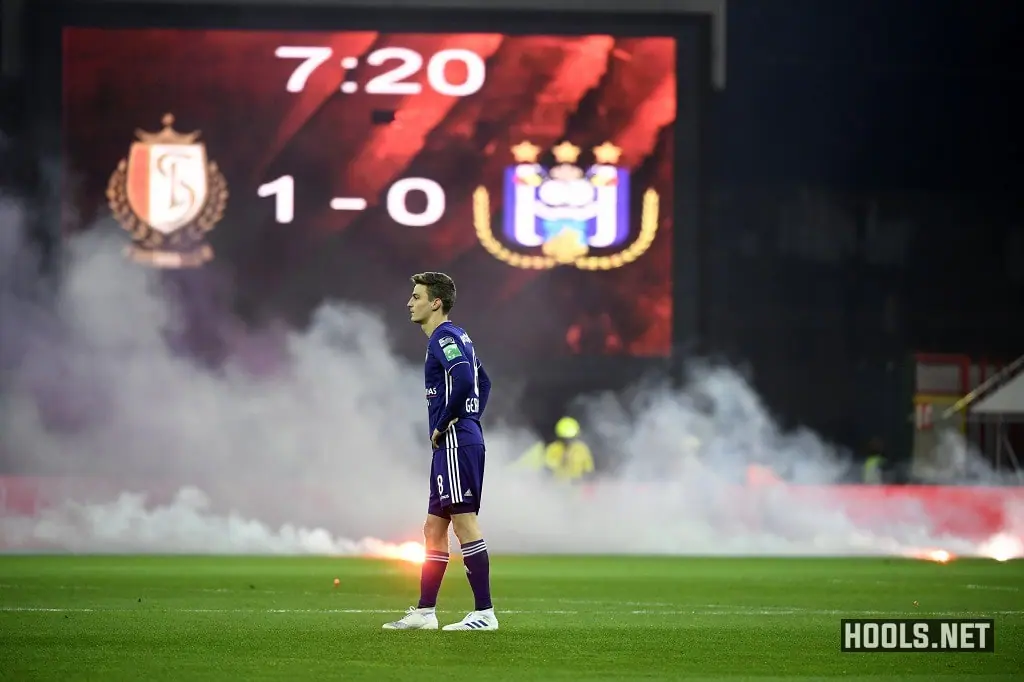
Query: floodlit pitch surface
574, 618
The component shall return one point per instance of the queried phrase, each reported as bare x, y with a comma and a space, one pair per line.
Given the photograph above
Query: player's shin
431, 575
478, 570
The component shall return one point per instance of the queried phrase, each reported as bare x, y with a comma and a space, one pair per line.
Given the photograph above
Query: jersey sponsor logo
446, 341
431, 392
465, 338
451, 352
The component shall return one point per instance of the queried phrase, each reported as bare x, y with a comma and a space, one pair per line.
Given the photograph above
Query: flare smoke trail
301, 439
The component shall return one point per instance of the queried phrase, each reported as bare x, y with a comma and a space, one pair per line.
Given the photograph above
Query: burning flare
413, 552
1002, 547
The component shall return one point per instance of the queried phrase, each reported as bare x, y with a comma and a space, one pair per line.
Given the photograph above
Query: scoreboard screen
537, 169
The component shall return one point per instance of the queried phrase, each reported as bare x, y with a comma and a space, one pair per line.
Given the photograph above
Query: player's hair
439, 285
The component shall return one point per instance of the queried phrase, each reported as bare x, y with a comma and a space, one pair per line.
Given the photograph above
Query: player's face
419, 305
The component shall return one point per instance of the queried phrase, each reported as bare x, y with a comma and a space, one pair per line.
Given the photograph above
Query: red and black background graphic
229, 85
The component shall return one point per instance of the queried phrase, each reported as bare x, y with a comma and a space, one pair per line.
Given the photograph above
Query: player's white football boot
414, 619
476, 620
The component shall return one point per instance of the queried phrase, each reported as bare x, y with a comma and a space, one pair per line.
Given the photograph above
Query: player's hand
437, 434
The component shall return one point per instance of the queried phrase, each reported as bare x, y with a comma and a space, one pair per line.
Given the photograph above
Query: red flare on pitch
1002, 547
412, 552
939, 556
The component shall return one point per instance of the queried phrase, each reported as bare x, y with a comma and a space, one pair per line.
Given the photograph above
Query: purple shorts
456, 480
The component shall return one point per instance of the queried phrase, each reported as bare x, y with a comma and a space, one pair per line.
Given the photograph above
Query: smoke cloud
170, 426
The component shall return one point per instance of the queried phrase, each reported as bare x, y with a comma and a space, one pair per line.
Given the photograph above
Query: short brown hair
438, 285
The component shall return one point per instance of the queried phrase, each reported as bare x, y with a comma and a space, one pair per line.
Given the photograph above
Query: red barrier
973, 513
969, 512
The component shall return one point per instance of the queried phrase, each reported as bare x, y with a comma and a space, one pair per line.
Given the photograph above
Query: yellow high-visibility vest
569, 460
566, 460
873, 469
533, 459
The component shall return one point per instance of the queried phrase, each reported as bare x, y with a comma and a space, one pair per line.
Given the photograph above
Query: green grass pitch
156, 618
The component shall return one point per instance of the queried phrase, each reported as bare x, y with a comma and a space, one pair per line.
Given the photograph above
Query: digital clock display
536, 169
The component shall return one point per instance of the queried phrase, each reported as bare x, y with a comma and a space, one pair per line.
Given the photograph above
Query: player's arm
459, 380
483, 384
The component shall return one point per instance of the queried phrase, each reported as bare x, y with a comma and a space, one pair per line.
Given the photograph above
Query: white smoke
304, 438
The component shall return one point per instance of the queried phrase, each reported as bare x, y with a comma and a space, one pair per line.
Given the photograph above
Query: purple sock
478, 570
430, 577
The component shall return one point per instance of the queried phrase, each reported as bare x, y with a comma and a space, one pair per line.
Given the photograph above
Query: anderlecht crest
560, 214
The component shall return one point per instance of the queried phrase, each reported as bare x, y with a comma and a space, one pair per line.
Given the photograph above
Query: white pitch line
676, 612
572, 602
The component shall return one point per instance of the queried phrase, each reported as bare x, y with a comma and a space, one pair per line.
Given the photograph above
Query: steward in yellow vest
567, 458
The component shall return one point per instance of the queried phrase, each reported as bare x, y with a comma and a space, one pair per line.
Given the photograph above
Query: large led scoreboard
549, 161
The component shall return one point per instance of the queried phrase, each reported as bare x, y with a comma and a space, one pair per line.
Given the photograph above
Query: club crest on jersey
566, 210
167, 195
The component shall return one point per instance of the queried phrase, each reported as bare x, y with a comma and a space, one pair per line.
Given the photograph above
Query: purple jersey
457, 385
